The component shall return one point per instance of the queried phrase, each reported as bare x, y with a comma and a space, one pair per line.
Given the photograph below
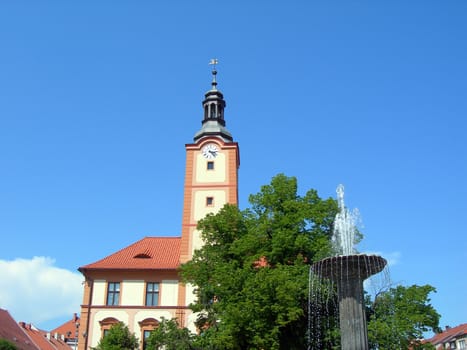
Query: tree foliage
168, 336
252, 272
399, 316
6, 345
119, 337
252, 279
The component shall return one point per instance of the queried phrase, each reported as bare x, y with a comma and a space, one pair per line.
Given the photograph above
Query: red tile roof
12, 332
44, 340
450, 334
149, 253
68, 329
60, 344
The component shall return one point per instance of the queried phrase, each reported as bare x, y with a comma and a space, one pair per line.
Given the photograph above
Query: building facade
139, 285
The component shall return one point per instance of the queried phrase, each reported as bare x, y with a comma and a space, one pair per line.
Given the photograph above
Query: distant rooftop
26, 336
450, 334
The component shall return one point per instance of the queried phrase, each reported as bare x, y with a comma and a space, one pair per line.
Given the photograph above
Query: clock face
210, 151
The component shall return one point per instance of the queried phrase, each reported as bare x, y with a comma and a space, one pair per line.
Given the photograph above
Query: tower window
209, 201
210, 165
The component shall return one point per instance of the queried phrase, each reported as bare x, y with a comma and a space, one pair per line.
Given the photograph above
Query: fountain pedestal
348, 272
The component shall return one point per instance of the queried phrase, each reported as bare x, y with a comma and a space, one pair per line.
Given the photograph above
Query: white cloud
35, 291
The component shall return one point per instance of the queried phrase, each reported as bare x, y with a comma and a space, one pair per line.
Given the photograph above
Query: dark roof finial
214, 62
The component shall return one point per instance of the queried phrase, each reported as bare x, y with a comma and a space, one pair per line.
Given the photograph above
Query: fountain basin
351, 267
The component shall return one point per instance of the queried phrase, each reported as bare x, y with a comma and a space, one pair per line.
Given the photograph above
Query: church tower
211, 173
211, 180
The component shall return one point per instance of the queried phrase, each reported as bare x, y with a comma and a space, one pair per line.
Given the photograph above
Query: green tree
252, 279
399, 316
252, 273
168, 336
6, 345
119, 337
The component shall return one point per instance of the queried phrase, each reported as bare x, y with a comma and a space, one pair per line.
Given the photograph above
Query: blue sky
98, 99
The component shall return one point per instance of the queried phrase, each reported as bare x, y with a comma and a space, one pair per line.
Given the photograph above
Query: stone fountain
347, 270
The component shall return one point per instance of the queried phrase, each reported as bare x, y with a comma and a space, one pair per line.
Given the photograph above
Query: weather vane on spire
213, 62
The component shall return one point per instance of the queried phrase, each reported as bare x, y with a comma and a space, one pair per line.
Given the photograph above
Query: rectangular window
210, 165
209, 201
113, 293
462, 344
152, 294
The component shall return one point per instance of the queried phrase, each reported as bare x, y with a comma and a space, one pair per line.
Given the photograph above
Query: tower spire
214, 63
213, 123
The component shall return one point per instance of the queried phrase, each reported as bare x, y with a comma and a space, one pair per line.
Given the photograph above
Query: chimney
22, 324
48, 335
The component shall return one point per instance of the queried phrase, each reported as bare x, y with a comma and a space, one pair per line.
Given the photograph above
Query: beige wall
98, 295
168, 293
132, 292
218, 174
200, 208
